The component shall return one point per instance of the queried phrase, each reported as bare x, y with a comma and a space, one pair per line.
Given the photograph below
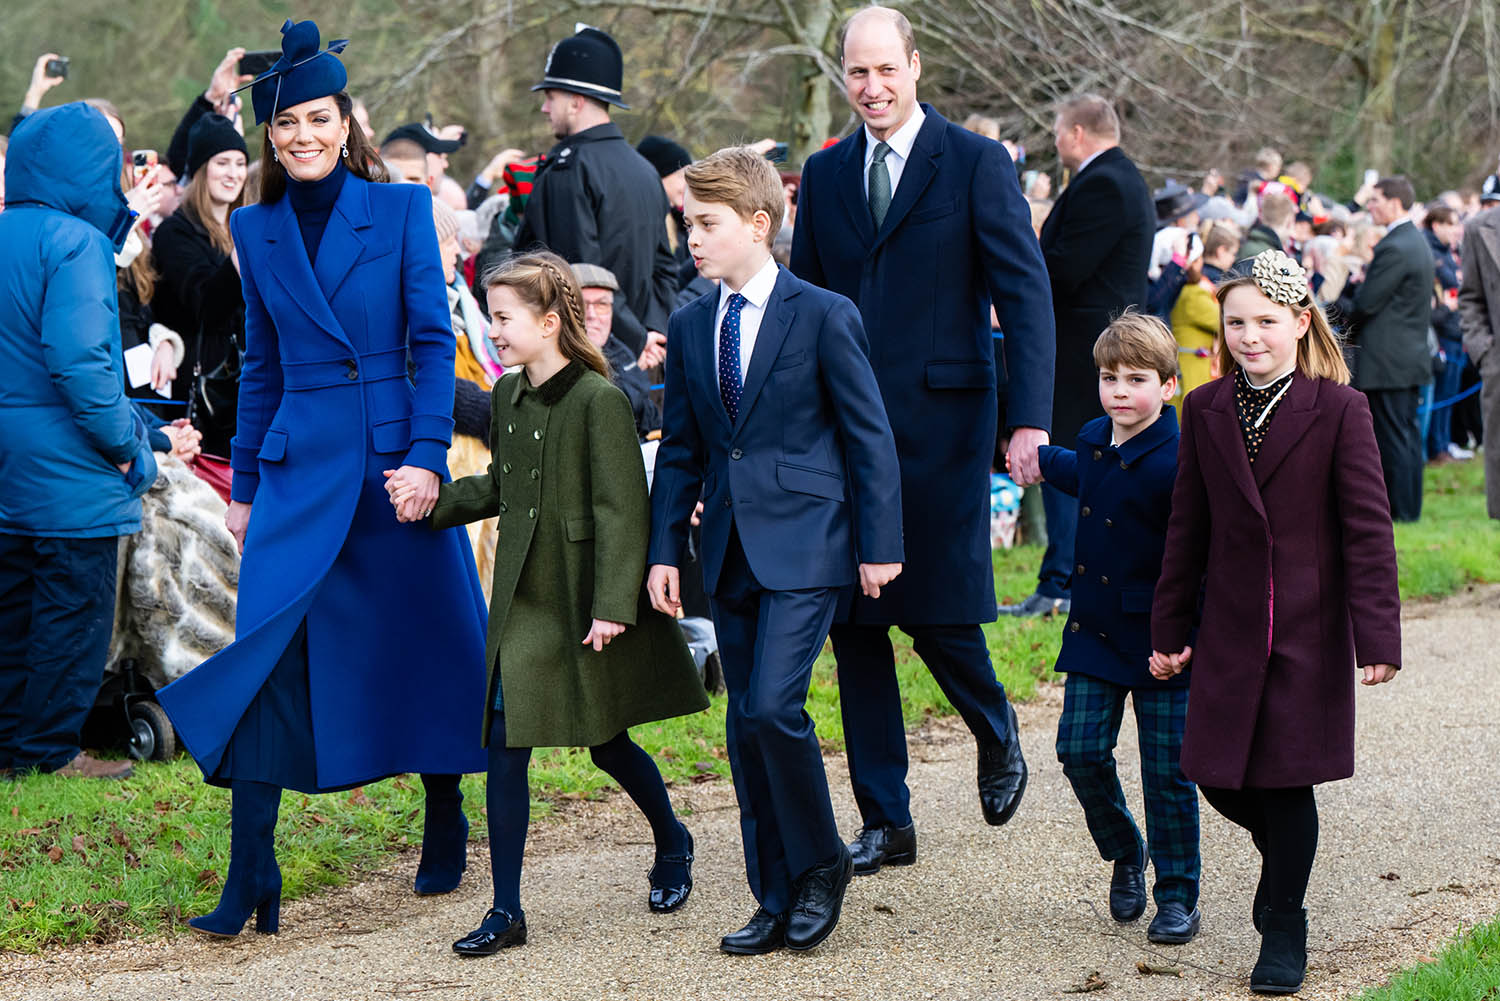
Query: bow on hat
301, 74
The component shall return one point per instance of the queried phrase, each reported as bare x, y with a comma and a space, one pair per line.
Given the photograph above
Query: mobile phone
58, 67
143, 162
256, 63
777, 153
1371, 176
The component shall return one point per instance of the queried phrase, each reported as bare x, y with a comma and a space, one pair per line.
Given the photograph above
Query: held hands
663, 585
187, 441
874, 576
413, 492
1379, 674
1021, 458
601, 632
1164, 666
237, 519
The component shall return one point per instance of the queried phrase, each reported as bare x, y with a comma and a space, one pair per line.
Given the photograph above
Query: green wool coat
567, 482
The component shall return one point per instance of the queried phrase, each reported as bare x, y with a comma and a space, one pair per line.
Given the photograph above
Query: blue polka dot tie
730, 385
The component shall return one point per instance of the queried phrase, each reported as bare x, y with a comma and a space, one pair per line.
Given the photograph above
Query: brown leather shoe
85, 767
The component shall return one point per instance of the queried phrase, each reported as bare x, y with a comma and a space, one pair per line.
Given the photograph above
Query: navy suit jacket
1124, 501
807, 474
957, 238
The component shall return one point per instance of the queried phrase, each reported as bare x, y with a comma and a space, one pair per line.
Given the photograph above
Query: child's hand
601, 632
1165, 666
1379, 674
874, 576
662, 585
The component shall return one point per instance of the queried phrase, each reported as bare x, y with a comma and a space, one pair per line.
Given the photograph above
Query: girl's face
520, 336
1262, 335
225, 175
309, 138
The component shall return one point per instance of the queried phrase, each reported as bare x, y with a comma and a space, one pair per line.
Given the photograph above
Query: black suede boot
1283, 953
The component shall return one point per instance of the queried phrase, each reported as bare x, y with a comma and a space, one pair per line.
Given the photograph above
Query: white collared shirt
1396, 222
757, 293
1084, 165
900, 142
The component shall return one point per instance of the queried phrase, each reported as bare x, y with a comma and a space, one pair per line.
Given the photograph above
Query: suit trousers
57, 611
1086, 734
768, 641
870, 700
1398, 436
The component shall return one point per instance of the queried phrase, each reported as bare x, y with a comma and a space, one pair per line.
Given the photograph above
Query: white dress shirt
757, 293
900, 142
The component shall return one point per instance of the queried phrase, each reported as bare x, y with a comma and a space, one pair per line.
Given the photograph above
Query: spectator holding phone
50, 70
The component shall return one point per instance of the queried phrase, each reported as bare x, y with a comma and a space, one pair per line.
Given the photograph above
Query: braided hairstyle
545, 282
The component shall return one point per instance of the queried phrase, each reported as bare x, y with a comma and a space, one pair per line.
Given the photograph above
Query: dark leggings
508, 804
1283, 823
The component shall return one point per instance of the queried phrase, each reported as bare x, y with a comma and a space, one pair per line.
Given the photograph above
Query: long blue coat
395, 618
956, 238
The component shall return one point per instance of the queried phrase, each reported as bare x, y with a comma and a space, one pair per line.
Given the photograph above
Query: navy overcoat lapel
851, 185
921, 167
768, 340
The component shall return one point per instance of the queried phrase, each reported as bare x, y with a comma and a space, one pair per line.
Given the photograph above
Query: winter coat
1259, 239
65, 424
1449, 277
1392, 313
570, 488
1195, 327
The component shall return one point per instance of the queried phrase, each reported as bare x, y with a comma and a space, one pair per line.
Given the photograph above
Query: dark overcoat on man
597, 201
1479, 315
1287, 616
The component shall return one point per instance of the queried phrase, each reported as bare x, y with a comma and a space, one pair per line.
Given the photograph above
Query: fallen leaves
1093, 982
1158, 969
55, 853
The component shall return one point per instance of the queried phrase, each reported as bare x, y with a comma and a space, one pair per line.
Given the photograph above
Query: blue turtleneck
312, 201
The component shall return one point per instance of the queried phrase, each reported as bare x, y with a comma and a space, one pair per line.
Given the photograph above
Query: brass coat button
1104, 580
1081, 569
1098, 454
1085, 512
1073, 626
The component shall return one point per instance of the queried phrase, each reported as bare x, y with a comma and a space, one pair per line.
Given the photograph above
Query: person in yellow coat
1195, 317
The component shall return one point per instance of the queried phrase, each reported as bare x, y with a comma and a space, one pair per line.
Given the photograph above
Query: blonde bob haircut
744, 180
1320, 352
545, 283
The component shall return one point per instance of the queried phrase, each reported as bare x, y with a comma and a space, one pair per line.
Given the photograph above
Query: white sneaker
1461, 454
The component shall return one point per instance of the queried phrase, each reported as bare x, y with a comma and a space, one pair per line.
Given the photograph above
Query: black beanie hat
211, 135
665, 155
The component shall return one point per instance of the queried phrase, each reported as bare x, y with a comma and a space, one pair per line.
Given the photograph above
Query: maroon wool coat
1297, 566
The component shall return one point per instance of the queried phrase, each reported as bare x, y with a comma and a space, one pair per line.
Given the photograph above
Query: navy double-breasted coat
348, 372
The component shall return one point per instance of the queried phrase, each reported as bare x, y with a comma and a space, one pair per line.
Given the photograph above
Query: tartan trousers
1086, 736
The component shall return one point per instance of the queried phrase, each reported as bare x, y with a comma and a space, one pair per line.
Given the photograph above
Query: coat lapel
918, 173
1290, 422
851, 185
342, 243
1222, 425
774, 326
287, 257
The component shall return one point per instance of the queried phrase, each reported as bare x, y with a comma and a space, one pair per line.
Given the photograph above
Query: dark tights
508, 804
1283, 823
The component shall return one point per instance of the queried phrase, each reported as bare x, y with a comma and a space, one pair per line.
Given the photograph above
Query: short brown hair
1135, 340
744, 180
1219, 236
1268, 160
1399, 188
1094, 113
895, 17
1277, 210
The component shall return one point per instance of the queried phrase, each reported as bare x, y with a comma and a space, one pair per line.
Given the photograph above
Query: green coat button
536, 474
537, 435
502, 507
505, 468
510, 429
531, 513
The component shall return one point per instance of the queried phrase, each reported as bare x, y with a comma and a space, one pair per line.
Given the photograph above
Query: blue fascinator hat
303, 73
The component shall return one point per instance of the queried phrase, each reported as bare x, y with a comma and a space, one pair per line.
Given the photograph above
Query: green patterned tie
880, 186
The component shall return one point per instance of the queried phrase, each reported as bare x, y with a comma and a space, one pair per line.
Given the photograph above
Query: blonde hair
1320, 352
744, 180
1277, 210
983, 125
1093, 113
1135, 340
545, 283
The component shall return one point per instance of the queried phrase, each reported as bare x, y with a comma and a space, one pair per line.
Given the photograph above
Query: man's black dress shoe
765, 933
878, 846
1002, 777
1173, 925
1127, 890
667, 894
497, 931
820, 898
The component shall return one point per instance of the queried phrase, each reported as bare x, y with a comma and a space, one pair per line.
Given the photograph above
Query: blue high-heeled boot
253, 883
445, 837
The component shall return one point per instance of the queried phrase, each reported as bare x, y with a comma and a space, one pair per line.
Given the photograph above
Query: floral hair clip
1279, 277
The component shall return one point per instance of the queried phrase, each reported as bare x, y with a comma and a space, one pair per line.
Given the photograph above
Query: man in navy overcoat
923, 225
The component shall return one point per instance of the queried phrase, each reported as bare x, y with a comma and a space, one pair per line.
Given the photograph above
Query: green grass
88, 861
1467, 969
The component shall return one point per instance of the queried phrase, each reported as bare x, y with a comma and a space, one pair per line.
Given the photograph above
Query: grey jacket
1392, 313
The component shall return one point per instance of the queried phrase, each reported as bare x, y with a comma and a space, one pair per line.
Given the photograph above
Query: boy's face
1133, 398
724, 245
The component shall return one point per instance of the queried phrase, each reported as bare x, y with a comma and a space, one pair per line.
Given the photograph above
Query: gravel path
1409, 853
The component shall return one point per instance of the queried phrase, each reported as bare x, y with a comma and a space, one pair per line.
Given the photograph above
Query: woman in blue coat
359, 643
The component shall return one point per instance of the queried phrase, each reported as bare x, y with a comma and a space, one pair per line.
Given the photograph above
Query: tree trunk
1378, 137
813, 123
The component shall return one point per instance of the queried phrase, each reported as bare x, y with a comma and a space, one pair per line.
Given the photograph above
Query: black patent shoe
1127, 890
820, 900
665, 898
765, 933
498, 931
1174, 924
1002, 777
881, 846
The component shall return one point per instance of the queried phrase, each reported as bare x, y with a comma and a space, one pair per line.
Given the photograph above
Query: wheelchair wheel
151, 735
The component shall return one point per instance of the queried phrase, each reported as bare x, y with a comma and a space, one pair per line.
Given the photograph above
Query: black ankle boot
445, 837
253, 883
1283, 953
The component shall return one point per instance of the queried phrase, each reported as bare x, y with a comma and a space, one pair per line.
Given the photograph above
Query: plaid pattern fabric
1086, 734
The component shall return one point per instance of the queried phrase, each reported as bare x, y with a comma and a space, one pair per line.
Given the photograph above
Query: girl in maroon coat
1280, 521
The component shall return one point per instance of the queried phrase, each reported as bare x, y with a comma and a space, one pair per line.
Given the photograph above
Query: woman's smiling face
309, 138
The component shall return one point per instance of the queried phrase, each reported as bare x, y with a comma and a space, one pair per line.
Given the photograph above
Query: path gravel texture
1410, 853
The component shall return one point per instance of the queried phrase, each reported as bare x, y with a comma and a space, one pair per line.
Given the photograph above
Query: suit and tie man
923, 225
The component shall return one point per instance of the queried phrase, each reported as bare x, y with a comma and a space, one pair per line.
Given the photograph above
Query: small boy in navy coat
773, 417
1122, 475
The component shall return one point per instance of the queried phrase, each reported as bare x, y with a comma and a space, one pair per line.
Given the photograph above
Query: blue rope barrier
1428, 408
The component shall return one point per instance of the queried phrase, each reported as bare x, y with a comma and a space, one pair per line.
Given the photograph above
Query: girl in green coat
575, 652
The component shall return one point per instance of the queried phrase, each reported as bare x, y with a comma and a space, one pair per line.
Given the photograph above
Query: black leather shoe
1034, 605
1173, 925
498, 931
878, 846
1127, 890
1002, 778
820, 899
765, 933
667, 897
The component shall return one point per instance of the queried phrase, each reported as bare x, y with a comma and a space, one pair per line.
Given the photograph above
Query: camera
256, 63
58, 67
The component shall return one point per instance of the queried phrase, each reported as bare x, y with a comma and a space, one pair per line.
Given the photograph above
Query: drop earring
274, 155
345, 149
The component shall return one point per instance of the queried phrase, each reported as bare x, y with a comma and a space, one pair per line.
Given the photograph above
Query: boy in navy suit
1122, 475
772, 415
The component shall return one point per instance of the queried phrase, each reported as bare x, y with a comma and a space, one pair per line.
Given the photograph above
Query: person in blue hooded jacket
74, 457
359, 640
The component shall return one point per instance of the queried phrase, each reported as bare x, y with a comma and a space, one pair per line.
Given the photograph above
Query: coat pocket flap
960, 375
789, 361
391, 436
934, 212
1136, 600
273, 446
580, 529
803, 480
